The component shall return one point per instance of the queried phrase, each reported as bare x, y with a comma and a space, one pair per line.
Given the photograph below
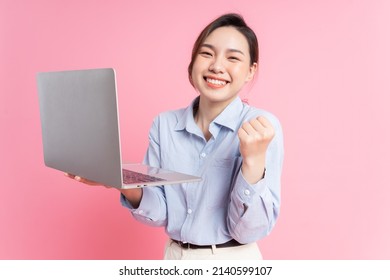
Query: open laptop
80, 130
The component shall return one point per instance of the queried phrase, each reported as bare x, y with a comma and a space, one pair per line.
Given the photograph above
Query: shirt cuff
246, 191
143, 211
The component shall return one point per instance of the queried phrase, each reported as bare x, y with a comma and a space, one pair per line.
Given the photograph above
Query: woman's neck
205, 114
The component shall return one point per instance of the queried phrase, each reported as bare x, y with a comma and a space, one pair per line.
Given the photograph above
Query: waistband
230, 243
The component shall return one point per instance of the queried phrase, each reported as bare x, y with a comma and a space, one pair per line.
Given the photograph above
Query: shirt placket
191, 196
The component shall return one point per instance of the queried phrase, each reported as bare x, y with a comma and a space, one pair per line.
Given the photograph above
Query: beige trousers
244, 252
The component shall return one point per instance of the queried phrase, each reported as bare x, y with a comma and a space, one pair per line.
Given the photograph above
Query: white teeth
216, 82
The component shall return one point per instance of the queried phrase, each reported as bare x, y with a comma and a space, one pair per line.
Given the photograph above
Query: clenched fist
254, 136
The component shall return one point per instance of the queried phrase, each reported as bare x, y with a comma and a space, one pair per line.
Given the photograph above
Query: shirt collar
229, 117
186, 121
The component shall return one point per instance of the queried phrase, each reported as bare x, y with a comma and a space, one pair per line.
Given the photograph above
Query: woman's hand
255, 136
84, 181
134, 196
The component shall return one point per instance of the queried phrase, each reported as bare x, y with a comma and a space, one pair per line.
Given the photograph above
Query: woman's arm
255, 137
134, 196
255, 197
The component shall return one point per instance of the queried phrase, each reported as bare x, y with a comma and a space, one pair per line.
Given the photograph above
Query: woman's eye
234, 58
205, 53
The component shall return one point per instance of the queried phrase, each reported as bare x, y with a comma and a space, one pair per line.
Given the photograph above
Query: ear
252, 72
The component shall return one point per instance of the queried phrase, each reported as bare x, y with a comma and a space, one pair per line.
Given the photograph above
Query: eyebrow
229, 50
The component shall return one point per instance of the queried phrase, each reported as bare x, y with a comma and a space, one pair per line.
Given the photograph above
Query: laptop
80, 131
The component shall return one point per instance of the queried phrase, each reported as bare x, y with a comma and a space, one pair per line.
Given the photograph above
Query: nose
217, 66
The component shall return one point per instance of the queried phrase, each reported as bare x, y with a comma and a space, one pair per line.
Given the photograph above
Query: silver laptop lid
81, 101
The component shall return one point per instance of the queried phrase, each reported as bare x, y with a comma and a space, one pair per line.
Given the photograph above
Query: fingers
71, 176
83, 180
265, 122
257, 127
255, 136
74, 177
251, 128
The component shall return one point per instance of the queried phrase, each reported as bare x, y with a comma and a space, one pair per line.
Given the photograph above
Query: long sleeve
254, 209
152, 209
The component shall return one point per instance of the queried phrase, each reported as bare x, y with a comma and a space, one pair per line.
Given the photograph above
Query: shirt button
189, 211
203, 155
247, 192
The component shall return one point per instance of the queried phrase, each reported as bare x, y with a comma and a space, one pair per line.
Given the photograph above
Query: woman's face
222, 66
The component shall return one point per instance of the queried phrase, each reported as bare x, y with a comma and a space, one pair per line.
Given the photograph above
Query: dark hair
234, 20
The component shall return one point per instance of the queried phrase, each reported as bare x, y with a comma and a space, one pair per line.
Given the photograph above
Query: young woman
235, 148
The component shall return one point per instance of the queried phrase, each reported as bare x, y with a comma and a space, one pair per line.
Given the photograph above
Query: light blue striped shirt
223, 205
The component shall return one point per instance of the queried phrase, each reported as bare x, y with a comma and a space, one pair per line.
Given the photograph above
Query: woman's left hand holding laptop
132, 195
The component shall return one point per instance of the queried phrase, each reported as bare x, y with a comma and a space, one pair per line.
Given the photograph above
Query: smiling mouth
215, 83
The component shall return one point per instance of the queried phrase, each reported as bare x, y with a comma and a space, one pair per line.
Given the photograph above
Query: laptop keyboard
131, 177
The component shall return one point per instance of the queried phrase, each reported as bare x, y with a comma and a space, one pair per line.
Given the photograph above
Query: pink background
324, 72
